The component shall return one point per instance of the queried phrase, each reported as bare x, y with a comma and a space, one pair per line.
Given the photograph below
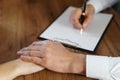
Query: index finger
75, 16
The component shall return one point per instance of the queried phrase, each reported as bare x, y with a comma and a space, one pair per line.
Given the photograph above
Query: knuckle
33, 60
46, 56
48, 42
46, 52
30, 53
45, 62
35, 42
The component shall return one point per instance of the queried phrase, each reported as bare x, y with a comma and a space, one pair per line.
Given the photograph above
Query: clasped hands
53, 56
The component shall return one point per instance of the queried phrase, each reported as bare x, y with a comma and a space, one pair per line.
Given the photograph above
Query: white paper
63, 31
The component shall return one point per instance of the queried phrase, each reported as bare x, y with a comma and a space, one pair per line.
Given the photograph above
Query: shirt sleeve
102, 67
99, 5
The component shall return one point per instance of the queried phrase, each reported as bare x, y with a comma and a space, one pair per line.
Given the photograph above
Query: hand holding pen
83, 15
77, 16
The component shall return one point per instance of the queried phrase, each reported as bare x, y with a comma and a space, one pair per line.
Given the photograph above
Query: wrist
90, 8
79, 64
8, 69
14, 68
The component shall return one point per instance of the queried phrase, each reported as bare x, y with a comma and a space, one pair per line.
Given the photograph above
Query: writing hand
76, 15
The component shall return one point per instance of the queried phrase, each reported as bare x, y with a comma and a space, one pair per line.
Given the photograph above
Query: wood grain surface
21, 22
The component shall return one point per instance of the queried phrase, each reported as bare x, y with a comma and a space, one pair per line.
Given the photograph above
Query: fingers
38, 43
89, 15
35, 60
87, 21
75, 16
31, 52
35, 49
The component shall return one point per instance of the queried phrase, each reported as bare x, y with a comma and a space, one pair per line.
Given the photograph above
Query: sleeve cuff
100, 5
97, 67
97, 7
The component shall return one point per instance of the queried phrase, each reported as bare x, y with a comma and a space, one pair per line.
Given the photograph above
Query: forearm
8, 70
79, 64
12, 69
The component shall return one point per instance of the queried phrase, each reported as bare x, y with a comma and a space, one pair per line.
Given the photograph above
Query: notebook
62, 30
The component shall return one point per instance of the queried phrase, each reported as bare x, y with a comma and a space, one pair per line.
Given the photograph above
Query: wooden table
21, 22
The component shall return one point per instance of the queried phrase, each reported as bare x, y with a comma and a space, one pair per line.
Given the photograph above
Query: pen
82, 18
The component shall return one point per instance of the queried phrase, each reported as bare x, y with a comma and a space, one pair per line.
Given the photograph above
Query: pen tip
81, 31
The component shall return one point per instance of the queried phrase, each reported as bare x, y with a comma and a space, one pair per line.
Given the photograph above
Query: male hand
75, 16
53, 56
